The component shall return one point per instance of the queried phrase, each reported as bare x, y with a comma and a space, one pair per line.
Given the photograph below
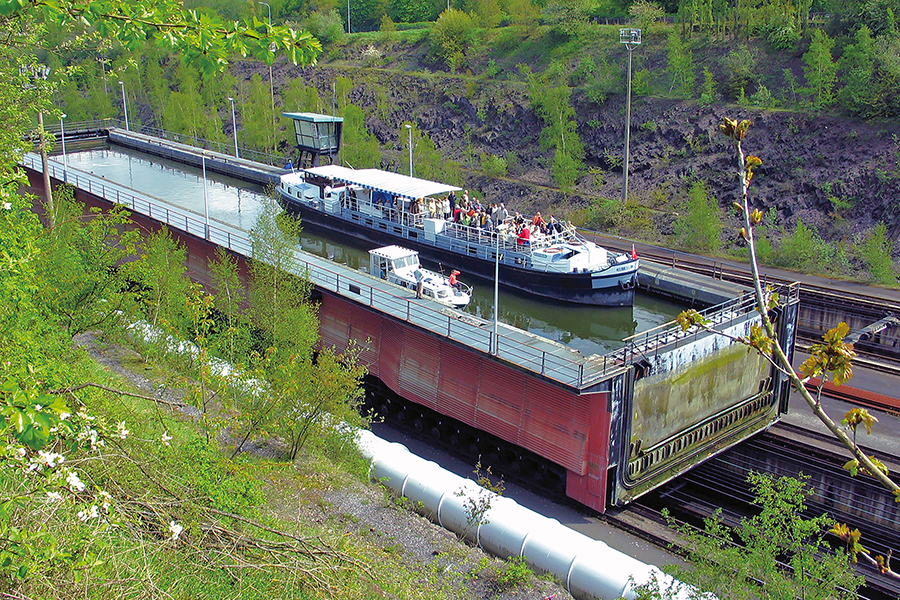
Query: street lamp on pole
234, 127
496, 292
124, 105
348, 17
632, 39
62, 136
205, 198
271, 82
409, 129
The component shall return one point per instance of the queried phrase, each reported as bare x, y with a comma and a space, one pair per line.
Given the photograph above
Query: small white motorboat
399, 265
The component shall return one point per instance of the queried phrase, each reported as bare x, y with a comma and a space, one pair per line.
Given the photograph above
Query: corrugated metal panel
365, 327
556, 424
501, 398
392, 339
420, 365
334, 319
459, 380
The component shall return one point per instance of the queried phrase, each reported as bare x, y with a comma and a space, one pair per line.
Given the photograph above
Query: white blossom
74, 482
107, 500
38, 407
50, 459
123, 433
175, 529
92, 513
166, 438
7, 206
54, 497
64, 416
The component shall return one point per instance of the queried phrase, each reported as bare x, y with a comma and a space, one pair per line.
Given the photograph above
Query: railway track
784, 450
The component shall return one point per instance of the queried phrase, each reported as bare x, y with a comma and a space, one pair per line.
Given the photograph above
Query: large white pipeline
589, 568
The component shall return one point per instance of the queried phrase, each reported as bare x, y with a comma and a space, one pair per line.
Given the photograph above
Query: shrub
493, 166
514, 573
876, 253
763, 97
326, 26
698, 228
451, 35
803, 250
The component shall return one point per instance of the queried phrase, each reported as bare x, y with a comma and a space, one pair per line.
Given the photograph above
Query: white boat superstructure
399, 265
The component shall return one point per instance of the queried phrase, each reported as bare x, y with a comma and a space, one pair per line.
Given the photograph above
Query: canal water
587, 329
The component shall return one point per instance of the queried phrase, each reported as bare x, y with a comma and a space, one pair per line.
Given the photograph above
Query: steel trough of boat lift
589, 568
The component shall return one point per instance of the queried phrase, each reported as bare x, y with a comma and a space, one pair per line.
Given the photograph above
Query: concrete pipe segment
589, 568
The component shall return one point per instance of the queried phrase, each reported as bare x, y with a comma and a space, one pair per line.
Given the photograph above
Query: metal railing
557, 365
346, 282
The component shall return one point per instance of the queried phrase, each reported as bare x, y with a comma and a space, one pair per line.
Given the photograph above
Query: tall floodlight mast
632, 39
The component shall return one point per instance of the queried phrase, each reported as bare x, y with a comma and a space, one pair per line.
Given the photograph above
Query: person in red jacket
454, 282
524, 238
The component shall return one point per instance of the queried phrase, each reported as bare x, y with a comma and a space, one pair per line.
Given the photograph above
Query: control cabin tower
317, 136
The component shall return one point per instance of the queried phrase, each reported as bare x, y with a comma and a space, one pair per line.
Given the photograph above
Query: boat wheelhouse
384, 208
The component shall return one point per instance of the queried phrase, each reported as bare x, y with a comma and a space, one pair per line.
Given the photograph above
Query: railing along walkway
525, 350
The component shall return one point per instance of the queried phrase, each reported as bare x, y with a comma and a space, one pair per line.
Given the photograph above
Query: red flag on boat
633, 253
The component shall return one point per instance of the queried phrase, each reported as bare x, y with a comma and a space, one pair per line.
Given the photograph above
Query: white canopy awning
383, 181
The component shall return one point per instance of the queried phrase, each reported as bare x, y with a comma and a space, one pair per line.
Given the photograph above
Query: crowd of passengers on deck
468, 218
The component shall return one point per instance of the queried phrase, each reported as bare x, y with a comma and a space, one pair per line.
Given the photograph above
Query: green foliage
226, 485
763, 97
359, 148
201, 39
78, 261
876, 252
708, 93
514, 573
161, 274
803, 250
452, 35
753, 568
647, 14
326, 26
681, 65
552, 104
820, 70
698, 228
493, 166
857, 71
740, 66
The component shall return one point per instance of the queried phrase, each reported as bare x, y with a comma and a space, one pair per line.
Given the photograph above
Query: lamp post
124, 105
234, 127
496, 292
271, 82
348, 17
205, 197
62, 135
409, 129
632, 39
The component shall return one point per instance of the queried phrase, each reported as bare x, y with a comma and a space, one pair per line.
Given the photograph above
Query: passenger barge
379, 208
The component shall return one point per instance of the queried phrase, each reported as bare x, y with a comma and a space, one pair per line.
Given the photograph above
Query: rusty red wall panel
365, 328
392, 334
501, 401
420, 367
459, 380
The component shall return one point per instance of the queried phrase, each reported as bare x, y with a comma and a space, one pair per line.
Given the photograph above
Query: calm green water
589, 330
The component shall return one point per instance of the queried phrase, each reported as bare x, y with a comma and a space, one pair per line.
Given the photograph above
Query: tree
647, 14
777, 555
161, 273
681, 65
857, 71
820, 70
876, 251
698, 228
452, 34
830, 359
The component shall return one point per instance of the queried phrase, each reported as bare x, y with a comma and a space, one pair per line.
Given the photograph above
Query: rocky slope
840, 176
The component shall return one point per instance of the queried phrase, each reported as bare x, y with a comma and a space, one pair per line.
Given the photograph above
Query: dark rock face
809, 161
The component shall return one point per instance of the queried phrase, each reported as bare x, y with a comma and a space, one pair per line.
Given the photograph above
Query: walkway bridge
620, 424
